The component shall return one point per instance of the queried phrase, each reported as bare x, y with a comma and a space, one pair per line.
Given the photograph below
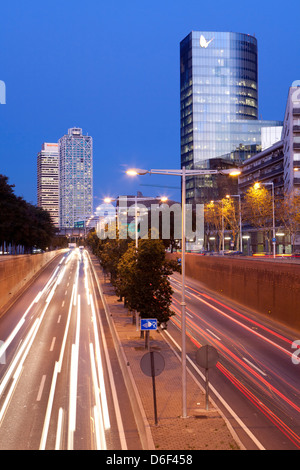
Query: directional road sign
148, 324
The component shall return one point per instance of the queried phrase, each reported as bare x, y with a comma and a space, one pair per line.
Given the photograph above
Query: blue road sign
148, 324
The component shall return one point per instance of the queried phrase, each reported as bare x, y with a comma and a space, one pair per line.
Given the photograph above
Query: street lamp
183, 173
136, 199
257, 186
240, 217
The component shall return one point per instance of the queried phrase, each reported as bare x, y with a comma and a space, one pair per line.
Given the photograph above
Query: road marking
63, 303
49, 408
57, 369
252, 365
41, 388
212, 333
59, 429
52, 344
58, 320
225, 404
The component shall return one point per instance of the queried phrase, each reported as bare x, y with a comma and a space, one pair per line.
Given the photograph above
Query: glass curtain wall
219, 101
76, 178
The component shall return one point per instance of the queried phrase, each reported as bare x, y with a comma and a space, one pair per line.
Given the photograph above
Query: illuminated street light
183, 173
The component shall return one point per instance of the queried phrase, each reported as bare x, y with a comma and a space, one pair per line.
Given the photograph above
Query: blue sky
112, 68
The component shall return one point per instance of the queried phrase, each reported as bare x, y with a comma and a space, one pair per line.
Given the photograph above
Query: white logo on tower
203, 42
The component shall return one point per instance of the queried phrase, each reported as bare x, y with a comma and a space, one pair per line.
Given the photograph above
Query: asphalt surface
71, 378
61, 382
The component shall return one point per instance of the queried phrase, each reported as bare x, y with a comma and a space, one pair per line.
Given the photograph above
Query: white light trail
74, 381
98, 412
101, 386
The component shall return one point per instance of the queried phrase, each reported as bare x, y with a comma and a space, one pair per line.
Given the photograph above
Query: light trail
244, 368
256, 333
74, 381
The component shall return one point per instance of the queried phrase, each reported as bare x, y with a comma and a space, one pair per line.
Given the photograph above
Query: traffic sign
152, 363
273, 240
148, 324
207, 356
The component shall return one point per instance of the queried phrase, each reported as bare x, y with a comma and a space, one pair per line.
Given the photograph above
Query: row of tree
22, 224
140, 276
255, 209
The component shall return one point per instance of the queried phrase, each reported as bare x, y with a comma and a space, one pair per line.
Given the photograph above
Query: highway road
256, 382
60, 382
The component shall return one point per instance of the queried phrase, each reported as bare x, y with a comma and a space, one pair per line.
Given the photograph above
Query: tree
126, 282
288, 212
143, 275
257, 210
109, 252
21, 223
213, 217
231, 217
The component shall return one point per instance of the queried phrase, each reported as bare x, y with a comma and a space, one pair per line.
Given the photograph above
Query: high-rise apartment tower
48, 180
76, 178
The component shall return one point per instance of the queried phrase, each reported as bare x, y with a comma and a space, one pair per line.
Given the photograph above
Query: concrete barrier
17, 271
270, 288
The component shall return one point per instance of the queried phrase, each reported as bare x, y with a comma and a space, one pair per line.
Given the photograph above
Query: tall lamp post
257, 185
183, 173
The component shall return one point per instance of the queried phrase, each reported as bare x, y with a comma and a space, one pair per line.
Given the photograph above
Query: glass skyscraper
219, 105
76, 178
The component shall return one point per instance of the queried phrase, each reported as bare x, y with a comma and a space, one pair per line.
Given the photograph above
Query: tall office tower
48, 180
76, 178
219, 107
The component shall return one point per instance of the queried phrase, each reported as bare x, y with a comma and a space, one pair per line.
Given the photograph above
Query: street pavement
202, 429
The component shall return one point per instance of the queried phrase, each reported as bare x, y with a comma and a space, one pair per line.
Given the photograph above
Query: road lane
59, 389
255, 373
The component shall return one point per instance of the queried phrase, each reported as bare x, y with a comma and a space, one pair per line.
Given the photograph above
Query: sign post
148, 324
152, 364
206, 357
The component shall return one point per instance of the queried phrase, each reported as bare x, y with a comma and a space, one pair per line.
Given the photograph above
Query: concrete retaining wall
17, 271
270, 288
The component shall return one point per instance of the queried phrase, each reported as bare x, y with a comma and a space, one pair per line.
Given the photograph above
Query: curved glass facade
219, 99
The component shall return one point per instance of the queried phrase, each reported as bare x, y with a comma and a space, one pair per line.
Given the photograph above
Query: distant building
270, 135
48, 180
76, 178
264, 167
280, 162
291, 140
219, 105
277, 166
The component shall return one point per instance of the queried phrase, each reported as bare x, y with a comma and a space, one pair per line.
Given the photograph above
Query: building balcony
296, 128
296, 112
296, 145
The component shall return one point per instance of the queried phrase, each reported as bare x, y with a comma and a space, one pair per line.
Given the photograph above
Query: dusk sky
112, 68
